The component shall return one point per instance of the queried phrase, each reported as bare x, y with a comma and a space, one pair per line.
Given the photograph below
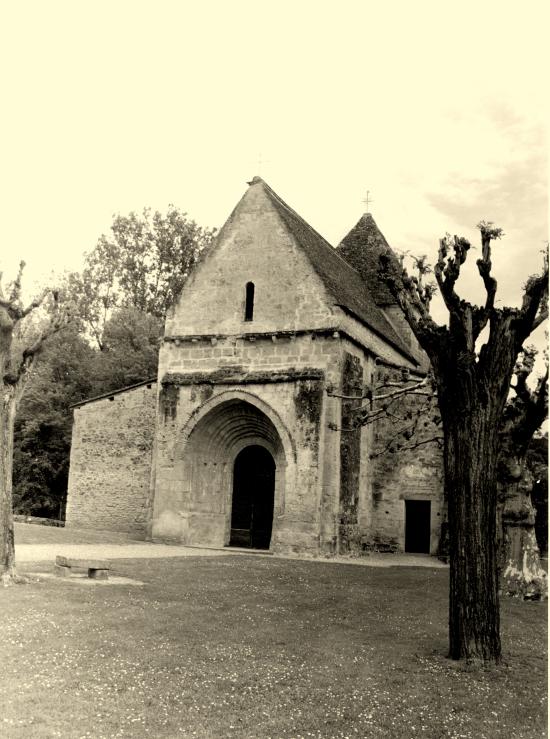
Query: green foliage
120, 299
69, 371
489, 230
43, 426
130, 346
142, 264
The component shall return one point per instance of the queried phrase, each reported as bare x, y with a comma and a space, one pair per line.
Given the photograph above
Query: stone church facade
244, 439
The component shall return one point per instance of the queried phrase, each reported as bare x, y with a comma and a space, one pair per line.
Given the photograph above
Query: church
248, 437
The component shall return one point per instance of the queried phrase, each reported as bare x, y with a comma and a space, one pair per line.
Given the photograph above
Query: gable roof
341, 280
362, 248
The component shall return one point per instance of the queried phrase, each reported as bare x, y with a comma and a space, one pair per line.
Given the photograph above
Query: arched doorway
194, 501
253, 498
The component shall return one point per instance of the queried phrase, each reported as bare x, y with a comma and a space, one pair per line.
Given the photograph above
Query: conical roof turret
362, 248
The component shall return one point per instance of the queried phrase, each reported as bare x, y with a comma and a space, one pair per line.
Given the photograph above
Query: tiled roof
341, 280
362, 248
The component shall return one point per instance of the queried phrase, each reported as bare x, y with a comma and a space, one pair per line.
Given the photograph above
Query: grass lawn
36, 534
259, 647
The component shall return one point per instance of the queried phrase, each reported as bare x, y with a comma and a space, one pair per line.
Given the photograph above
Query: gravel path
56, 543
44, 552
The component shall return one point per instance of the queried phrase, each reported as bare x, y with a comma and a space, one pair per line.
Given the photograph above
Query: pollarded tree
19, 348
472, 388
406, 404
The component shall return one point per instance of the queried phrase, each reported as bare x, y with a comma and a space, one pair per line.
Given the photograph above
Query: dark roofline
310, 227
398, 343
114, 392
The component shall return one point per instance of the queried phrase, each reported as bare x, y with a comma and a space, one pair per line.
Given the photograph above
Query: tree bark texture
7, 546
470, 457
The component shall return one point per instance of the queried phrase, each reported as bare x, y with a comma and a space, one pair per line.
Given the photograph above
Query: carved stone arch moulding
254, 400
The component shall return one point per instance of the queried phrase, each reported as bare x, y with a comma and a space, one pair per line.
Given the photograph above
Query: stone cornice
238, 376
253, 335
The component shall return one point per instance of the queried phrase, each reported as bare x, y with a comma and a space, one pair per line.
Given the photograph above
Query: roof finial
261, 161
258, 177
368, 200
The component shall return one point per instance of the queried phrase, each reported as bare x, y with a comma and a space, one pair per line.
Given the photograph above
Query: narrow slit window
249, 305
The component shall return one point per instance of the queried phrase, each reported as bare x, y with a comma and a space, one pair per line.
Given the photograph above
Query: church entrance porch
228, 482
253, 498
417, 526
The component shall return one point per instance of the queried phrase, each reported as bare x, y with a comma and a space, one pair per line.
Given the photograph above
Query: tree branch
539, 319
447, 268
484, 266
534, 307
405, 290
14, 309
58, 319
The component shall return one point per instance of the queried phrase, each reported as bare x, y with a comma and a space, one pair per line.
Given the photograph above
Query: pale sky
437, 108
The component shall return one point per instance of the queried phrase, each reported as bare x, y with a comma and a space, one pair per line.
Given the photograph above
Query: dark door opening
253, 498
417, 526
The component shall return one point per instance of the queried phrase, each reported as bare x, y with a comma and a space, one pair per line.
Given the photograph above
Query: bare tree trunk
470, 479
522, 573
473, 383
14, 372
7, 545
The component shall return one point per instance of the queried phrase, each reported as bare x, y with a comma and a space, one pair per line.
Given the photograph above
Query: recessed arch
254, 400
213, 438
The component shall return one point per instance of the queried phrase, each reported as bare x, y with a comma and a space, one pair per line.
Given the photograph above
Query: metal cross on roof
368, 200
261, 161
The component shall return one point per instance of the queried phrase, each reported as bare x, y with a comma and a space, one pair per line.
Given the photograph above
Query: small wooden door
417, 526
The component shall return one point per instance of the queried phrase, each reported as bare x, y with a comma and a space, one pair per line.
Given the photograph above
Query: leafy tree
129, 280
69, 371
142, 264
42, 437
130, 345
472, 389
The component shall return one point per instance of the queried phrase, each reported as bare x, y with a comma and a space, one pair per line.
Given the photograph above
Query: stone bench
98, 569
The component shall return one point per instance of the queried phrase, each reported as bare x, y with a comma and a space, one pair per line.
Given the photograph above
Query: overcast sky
437, 108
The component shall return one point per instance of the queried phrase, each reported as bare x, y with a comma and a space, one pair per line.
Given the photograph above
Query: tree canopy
142, 264
119, 300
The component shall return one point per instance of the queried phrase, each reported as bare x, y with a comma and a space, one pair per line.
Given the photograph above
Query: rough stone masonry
271, 328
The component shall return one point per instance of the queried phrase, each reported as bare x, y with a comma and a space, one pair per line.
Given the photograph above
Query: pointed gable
362, 248
256, 268
266, 243
341, 279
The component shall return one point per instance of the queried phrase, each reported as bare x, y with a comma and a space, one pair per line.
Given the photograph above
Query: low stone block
96, 564
62, 571
98, 569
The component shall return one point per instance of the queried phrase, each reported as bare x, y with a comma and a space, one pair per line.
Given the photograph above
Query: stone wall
218, 397
373, 344
397, 475
110, 466
225, 382
253, 246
